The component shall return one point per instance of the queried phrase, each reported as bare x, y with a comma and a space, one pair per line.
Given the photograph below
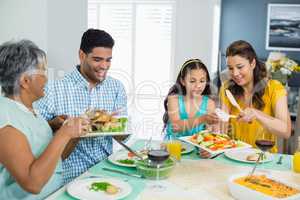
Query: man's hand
57, 122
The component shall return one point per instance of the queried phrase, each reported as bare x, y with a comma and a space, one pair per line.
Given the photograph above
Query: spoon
232, 100
255, 165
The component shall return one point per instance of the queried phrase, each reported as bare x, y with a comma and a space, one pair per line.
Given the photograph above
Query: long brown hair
245, 50
179, 89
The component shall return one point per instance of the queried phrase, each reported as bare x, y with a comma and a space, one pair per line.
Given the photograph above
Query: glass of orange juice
296, 162
174, 149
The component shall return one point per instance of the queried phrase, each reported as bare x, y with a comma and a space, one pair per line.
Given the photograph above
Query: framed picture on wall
283, 27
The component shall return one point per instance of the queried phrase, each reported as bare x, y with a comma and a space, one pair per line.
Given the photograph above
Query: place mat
137, 184
285, 166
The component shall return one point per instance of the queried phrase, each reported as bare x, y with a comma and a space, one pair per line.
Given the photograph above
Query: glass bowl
155, 171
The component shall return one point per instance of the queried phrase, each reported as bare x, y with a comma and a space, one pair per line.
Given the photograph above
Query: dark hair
245, 50
95, 38
17, 58
179, 89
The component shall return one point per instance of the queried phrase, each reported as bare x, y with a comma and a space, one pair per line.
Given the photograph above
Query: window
142, 56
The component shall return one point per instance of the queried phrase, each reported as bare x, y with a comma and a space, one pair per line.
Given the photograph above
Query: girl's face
195, 82
240, 69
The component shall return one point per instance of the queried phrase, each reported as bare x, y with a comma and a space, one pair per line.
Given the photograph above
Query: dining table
192, 178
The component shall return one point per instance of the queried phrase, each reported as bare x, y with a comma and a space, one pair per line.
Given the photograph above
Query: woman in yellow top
263, 102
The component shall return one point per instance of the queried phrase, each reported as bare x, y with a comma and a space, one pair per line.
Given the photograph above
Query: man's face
94, 65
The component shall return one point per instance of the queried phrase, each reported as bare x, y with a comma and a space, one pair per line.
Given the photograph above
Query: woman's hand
248, 115
57, 122
75, 127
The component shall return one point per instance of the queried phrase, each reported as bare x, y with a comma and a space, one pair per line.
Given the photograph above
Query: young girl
187, 106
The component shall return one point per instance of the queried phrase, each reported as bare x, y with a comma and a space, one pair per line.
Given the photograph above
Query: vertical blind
142, 56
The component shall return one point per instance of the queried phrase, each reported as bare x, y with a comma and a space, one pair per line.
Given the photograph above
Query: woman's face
240, 69
195, 82
38, 79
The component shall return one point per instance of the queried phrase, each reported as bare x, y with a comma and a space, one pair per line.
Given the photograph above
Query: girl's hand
204, 154
211, 118
248, 115
75, 127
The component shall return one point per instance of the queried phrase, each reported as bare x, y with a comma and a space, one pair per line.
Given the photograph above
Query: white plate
80, 189
119, 155
241, 155
241, 192
187, 139
94, 134
188, 148
126, 131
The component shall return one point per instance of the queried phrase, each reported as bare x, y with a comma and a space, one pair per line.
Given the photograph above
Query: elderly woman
30, 164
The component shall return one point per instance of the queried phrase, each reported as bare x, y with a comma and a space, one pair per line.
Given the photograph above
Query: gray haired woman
30, 165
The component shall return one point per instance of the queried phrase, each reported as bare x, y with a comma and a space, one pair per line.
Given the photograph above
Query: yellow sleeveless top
248, 132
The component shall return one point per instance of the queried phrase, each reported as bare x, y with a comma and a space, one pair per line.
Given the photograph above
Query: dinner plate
241, 145
94, 134
188, 148
241, 155
241, 192
119, 155
126, 131
80, 189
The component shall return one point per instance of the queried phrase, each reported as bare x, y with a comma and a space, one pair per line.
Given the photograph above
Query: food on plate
214, 141
126, 161
104, 122
252, 157
267, 186
104, 187
183, 149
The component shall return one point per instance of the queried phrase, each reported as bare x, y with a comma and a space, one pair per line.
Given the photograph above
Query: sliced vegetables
214, 141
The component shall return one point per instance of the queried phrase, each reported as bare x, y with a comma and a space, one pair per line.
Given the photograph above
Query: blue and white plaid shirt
72, 96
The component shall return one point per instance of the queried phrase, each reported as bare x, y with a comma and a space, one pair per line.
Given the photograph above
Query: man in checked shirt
88, 86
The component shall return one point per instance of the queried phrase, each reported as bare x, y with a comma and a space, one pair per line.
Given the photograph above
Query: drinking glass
173, 146
264, 143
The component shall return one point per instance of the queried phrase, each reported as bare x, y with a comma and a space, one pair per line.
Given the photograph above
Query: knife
129, 149
122, 172
216, 155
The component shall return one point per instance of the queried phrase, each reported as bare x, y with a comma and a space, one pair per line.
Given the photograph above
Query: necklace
23, 107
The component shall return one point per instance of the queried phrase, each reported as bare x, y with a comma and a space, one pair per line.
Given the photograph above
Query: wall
194, 32
56, 27
247, 20
24, 19
67, 20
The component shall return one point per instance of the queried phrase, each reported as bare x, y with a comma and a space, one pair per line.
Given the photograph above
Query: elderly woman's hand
248, 115
75, 127
57, 122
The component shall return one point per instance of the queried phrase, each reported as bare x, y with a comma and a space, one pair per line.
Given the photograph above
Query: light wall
67, 20
195, 32
24, 19
56, 26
